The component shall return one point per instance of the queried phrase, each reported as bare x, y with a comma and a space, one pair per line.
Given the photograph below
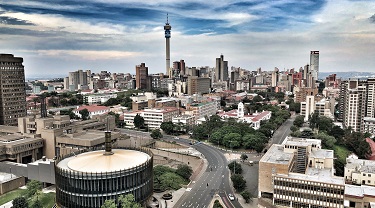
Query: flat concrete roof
277, 155
322, 153
317, 175
96, 162
359, 191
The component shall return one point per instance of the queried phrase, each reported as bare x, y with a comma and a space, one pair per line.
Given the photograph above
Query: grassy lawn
47, 199
11, 195
341, 152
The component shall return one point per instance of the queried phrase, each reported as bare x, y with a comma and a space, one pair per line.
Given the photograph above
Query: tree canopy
139, 121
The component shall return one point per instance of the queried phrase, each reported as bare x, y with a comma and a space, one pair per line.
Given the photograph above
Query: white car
231, 197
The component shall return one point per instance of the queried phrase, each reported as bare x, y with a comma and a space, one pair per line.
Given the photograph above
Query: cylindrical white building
86, 180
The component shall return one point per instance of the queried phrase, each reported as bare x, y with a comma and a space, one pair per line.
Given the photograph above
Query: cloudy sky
55, 37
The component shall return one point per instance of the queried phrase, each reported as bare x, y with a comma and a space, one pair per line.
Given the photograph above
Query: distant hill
347, 75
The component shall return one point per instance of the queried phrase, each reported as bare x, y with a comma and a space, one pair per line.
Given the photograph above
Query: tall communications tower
167, 29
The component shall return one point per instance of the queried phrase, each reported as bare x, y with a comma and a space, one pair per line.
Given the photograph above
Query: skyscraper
356, 102
179, 67
314, 64
167, 31
12, 90
221, 70
141, 76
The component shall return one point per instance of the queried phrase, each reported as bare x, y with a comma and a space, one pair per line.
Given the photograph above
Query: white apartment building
200, 110
359, 171
323, 107
187, 120
153, 117
99, 98
369, 125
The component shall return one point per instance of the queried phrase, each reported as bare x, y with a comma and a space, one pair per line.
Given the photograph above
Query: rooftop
96, 161
277, 155
359, 191
318, 175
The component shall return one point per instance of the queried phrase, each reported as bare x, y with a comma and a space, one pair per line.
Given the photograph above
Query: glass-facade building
77, 186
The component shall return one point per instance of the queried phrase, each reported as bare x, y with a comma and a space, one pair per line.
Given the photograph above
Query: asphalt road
215, 180
283, 131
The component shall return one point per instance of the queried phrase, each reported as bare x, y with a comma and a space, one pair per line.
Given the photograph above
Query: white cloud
89, 55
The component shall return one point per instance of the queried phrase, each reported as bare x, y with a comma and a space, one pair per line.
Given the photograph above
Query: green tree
32, 187
247, 196
314, 119
235, 167
299, 121
324, 124
327, 141
167, 127
109, 203
170, 181
244, 157
36, 204
217, 204
139, 121
338, 133
128, 201
85, 114
20, 202
239, 183
233, 140
184, 171
294, 128
156, 134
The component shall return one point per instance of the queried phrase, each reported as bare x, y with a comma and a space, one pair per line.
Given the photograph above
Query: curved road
214, 180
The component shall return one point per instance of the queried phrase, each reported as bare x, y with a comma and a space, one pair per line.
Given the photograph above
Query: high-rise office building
167, 32
76, 80
221, 70
198, 85
314, 64
179, 68
12, 90
141, 76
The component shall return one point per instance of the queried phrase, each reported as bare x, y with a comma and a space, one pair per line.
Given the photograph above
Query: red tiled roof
260, 115
92, 108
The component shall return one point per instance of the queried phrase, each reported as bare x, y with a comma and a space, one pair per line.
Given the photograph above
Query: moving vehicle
231, 197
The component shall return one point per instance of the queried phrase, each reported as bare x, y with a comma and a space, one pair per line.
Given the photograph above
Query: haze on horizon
61, 36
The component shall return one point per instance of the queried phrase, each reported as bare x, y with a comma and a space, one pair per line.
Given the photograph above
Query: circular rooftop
97, 162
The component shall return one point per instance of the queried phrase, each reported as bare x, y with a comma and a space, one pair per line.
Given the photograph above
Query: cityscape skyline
68, 35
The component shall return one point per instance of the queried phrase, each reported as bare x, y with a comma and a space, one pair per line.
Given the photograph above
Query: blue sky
56, 37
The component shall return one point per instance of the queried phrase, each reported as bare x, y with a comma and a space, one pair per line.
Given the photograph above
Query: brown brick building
12, 89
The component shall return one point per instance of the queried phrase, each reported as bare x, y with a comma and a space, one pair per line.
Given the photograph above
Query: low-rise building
253, 120
93, 110
369, 125
99, 98
152, 117
359, 171
200, 110
298, 173
19, 148
186, 120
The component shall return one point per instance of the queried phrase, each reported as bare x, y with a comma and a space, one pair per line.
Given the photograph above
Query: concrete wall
12, 184
43, 171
